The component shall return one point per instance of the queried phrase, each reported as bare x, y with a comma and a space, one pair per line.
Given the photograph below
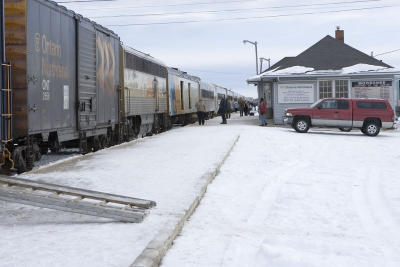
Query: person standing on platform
241, 106
246, 108
201, 111
263, 112
228, 108
222, 109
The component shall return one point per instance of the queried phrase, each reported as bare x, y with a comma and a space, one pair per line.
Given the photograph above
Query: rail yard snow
324, 198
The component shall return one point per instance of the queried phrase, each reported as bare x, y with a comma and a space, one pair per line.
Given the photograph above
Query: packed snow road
282, 198
324, 198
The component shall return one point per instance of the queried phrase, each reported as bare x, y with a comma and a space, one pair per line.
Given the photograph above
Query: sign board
295, 93
372, 89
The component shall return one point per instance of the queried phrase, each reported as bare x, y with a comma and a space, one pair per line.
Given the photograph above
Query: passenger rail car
230, 97
144, 93
207, 94
184, 93
220, 92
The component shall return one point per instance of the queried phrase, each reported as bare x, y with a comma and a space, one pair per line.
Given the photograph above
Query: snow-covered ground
166, 168
286, 199
324, 198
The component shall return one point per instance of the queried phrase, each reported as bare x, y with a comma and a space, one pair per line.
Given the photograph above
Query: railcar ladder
74, 200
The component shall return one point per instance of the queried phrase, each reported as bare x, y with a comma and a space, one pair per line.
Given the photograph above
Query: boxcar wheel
18, 156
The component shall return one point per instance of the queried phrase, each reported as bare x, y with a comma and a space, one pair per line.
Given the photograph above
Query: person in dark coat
222, 109
241, 106
263, 112
228, 108
246, 108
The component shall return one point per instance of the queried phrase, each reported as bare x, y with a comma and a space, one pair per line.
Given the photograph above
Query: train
70, 82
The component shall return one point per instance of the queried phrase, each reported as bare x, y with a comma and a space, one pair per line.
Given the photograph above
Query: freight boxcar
65, 80
183, 94
144, 94
207, 94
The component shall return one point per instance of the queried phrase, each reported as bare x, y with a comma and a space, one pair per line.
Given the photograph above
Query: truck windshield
316, 103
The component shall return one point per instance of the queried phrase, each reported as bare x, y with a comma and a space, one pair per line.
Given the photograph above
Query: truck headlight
288, 114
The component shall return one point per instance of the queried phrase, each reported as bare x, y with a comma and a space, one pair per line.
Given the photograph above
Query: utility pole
255, 45
261, 62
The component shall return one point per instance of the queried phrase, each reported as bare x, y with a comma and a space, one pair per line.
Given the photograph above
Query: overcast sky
212, 48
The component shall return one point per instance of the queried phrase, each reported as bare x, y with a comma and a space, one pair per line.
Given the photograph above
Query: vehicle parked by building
369, 115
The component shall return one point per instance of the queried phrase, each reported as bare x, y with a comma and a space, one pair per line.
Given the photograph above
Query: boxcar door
87, 76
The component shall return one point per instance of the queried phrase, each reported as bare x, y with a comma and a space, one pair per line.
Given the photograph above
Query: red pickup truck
369, 115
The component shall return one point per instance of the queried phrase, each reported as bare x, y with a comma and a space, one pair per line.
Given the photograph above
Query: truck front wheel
301, 125
371, 128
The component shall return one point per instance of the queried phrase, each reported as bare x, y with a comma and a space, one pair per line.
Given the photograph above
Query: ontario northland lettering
51, 55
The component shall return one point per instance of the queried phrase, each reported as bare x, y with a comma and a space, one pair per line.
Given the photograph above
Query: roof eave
272, 77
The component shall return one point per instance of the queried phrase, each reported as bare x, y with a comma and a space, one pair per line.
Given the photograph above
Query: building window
341, 89
325, 89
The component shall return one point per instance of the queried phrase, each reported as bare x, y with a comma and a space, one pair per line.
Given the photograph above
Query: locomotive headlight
288, 114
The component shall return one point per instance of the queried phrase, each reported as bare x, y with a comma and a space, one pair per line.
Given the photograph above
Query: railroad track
76, 200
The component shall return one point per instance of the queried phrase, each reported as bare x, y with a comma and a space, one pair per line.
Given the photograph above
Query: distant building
329, 68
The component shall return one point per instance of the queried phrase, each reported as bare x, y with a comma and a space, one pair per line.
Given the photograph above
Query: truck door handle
336, 112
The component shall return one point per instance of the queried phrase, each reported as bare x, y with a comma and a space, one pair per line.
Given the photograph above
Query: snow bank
363, 68
292, 70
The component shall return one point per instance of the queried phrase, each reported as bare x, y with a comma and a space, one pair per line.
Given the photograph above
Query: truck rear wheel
371, 128
301, 125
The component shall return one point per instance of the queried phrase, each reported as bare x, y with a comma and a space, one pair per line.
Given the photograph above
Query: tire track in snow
258, 216
375, 217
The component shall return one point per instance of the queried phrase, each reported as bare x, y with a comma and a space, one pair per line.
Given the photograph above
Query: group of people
225, 110
244, 107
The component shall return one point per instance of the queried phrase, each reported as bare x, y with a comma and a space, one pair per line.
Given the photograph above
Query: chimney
339, 34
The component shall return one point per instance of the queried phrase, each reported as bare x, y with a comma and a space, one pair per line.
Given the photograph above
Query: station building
329, 68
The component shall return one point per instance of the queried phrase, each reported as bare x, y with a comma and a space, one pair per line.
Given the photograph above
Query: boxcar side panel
51, 68
107, 74
87, 79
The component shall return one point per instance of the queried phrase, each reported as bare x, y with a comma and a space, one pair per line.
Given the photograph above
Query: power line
247, 18
169, 5
84, 1
234, 10
387, 52
216, 72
